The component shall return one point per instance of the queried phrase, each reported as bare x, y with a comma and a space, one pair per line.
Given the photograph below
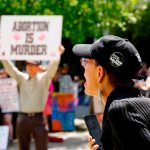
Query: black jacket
126, 122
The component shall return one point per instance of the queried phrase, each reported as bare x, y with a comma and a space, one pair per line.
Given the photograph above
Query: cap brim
82, 50
31, 62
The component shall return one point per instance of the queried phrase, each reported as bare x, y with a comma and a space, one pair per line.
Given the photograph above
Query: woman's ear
101, 73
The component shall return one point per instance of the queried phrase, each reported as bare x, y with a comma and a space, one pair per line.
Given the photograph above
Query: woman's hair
116, 81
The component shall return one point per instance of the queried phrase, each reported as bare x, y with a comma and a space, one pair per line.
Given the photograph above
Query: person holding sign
33, 88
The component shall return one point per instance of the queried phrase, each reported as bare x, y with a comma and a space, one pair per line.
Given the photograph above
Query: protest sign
65, 101
9, 97
63, 111
30, 37
4, 133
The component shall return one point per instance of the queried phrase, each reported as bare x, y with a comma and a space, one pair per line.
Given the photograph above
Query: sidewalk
74, 140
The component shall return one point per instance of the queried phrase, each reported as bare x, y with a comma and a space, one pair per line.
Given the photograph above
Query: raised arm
12, 70
53, 65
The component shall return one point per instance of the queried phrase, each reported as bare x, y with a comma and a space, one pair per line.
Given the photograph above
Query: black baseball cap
117, 55
35, 62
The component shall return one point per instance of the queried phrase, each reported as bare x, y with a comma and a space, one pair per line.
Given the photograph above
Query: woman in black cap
110, 65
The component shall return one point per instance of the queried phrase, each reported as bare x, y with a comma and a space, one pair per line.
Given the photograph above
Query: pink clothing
48, 106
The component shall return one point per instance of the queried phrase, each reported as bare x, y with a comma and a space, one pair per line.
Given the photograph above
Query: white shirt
33, 92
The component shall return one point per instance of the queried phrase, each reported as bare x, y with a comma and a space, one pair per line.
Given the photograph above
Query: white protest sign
4, 133
9, 97
30, 37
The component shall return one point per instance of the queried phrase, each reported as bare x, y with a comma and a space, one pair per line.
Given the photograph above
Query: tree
140, 34
82, 18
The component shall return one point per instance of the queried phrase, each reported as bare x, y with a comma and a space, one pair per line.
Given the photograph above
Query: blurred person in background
143, 70
33, 90
144, 86
98, 108
65, 80
7, 116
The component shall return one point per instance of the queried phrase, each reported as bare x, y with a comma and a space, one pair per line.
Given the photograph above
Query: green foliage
141, 30
82, 18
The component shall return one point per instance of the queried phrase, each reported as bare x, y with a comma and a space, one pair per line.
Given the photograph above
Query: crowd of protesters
35, 90
29, 120
6, 115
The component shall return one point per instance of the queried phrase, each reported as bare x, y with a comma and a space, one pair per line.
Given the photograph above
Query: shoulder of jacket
121, 106
125, 105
